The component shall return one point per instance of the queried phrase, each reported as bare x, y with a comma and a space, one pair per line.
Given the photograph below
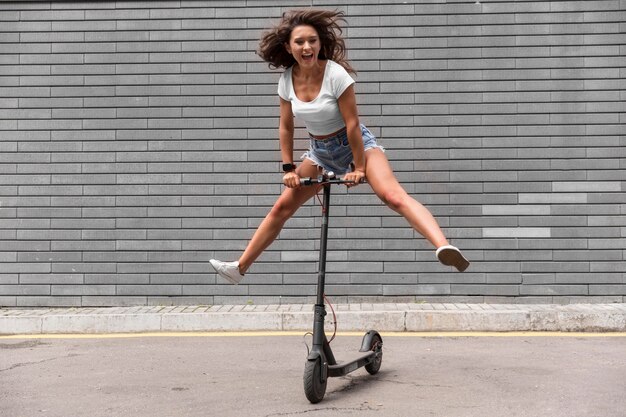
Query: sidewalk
351, 317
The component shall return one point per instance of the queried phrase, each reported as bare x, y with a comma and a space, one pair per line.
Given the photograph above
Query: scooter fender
313, 357
366, 345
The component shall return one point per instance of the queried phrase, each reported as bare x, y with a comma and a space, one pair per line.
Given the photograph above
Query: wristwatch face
288, 167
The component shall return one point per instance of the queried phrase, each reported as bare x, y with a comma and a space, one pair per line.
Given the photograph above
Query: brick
83, 290
586, 186
492, 289
113, 279
538, 279
560, 198
489, 210
606, 289
534, 290
520, 232
8, 279
48, 301
24, 290
26, 268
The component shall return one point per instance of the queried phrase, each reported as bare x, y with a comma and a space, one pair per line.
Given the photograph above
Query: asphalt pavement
232, 375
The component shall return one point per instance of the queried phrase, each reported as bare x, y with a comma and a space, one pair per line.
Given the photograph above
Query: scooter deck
344, 368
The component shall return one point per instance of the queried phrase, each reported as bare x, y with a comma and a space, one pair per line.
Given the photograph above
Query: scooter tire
376, 346
314, 388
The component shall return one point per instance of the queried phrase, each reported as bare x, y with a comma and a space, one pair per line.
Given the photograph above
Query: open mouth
307, 57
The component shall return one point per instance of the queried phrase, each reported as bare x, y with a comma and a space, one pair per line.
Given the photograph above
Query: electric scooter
321, 363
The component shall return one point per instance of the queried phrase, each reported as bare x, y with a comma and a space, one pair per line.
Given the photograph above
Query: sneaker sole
229, 279
453, 258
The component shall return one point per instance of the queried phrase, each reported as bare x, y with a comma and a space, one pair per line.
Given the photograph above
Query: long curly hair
326, 23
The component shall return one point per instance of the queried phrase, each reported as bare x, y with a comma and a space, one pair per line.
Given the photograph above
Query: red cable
334, 318
320, 200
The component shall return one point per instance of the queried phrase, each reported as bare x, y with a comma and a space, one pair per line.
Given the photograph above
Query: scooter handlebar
325, 180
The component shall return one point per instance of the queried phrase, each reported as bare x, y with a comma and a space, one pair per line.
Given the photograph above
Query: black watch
289, 167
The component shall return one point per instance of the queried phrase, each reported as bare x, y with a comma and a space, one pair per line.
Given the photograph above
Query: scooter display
321, 363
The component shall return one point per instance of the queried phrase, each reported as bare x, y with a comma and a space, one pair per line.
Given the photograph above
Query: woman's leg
381, 178
287, 204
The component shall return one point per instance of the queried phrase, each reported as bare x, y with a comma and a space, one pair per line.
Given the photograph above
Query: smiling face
304, 45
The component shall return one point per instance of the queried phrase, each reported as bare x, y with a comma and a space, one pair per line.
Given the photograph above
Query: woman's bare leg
287, 204
384, 183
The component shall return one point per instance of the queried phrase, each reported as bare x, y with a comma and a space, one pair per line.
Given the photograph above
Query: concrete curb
390, 318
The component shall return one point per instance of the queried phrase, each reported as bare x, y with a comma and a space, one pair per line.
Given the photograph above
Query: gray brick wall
139, 139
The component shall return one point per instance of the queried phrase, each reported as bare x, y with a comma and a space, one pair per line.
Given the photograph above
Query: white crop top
321, 116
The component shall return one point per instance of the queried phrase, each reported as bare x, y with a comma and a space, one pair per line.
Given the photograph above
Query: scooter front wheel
314, 388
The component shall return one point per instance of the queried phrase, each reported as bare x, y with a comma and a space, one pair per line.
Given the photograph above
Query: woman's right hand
291, 180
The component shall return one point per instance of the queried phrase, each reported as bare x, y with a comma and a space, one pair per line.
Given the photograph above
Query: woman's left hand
356, 177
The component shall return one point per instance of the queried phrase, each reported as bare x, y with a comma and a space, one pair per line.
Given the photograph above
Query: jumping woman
316, 88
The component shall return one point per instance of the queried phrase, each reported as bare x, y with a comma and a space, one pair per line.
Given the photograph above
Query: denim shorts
334, 153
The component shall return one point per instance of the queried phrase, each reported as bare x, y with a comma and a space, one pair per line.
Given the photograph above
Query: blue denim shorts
334, 153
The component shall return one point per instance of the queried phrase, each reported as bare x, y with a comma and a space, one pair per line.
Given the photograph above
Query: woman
316, 88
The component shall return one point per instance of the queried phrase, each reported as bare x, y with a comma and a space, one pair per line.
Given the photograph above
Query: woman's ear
287, 48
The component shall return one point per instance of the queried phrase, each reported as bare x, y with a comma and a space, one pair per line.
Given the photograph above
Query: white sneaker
450, 255
227, 270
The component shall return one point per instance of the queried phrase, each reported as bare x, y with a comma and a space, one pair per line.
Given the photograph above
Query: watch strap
289, 167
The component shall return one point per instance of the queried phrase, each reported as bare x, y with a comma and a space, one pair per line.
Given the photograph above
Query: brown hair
326, 23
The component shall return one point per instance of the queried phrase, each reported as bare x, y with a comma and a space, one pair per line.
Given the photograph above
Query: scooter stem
321, 277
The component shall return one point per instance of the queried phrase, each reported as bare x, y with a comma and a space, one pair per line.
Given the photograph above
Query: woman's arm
348, 109
285, 135
285, 131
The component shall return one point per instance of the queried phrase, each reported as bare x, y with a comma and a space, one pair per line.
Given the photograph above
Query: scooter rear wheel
376, 346
314, 388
